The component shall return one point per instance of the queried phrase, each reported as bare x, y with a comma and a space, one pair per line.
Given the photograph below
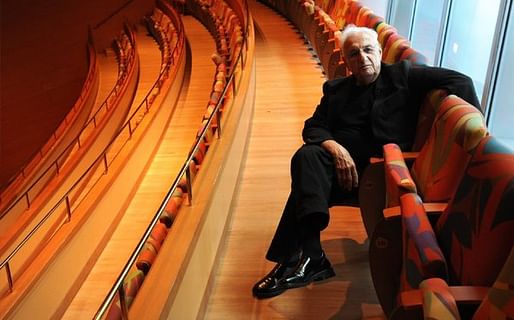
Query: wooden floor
161, 171
288, 89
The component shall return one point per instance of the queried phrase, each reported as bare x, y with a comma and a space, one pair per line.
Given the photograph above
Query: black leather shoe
307, 271
269, 286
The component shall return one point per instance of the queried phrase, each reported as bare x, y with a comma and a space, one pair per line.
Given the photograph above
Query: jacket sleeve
423, 79
317, 128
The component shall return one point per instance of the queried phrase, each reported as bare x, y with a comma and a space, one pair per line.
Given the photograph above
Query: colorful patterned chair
441, 302
131, 285
465, 245
413, 56
499, 302
394, 47
459, 126
441, 161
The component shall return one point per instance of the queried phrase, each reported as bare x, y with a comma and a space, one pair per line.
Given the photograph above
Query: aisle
173, 148
288, 89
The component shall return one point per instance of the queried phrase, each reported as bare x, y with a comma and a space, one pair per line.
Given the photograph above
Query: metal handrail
38, 155
102, 158
117, 287
93, 120
65, 198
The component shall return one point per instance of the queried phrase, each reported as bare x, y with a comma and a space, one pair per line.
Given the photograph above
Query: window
427, 28
469, 38
502, 108
401, 16
379, 6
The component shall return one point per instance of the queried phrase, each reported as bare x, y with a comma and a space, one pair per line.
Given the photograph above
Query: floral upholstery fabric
397, 176
457, 129
438, 302
476, 231
152, 247
427, 112
394, 47
499, 302
414, 56
131, 285
422, 257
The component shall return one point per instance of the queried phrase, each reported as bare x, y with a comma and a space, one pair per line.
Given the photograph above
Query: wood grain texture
287, 91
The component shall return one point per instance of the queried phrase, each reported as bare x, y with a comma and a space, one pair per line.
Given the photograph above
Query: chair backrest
476, 230
457, 128
499, 302
367, 18
394, 47
439, 302
414, 56
384, 31
339, 14
353, 11
427, 111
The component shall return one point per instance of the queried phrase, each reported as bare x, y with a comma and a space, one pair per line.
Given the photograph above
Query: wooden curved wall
44, 64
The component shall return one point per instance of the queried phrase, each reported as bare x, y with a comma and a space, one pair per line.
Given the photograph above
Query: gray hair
352, 29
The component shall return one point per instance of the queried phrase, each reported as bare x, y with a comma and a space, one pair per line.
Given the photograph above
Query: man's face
362, 56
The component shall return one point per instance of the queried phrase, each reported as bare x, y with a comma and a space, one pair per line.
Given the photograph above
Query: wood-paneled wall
44, 64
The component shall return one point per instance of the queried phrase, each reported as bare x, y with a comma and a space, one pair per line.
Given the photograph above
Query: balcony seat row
161, 26
457, 253
43, 216
223, 25
27, 209
15, 189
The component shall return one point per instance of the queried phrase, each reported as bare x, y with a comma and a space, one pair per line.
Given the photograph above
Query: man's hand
345, 166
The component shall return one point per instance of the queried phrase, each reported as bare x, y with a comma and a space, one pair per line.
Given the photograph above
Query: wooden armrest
410, 155
430, 208
391, 212
463, 295
407, 156
434, 207
375, 160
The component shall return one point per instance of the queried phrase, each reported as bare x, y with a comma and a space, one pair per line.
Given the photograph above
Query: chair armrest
407, 156
435, 292
397, 176
431, 209
422, 256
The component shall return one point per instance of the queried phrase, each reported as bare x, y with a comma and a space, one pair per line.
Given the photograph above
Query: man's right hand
345, 166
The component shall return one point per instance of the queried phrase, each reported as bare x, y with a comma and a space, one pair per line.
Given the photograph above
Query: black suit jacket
398, 93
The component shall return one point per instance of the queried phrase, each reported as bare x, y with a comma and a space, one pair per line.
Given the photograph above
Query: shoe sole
322, 275
269, 294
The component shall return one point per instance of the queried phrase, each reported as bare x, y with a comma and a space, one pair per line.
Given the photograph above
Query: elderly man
357, 115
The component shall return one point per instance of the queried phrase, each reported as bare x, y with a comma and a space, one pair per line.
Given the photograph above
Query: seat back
427, 111
440, 303
499, 302
476, 230
394, 47
340, 13
458, 127
367, 18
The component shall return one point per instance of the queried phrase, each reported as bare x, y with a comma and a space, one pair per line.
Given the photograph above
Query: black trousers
314, 188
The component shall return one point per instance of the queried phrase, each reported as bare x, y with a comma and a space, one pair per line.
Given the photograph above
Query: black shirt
355, 132
390, 105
